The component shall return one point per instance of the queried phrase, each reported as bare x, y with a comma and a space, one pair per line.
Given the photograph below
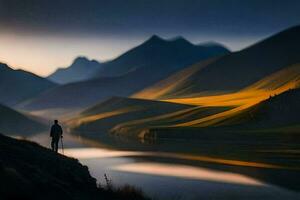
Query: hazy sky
41, 35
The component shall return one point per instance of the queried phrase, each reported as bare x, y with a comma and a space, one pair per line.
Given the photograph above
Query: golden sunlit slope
288, 78
102, 117
279, 111
276, 83
172, 83
232, 72
140, 127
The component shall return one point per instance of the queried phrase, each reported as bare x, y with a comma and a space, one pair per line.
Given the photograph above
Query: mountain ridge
157, 48
81, 69
19, 85
138, 68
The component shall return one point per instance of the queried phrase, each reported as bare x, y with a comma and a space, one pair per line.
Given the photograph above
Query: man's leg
52, 144
56, 145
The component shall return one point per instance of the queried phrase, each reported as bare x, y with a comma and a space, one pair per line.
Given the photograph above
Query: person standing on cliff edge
56, 133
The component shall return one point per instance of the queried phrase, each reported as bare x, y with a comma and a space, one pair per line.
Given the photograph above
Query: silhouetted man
56, 133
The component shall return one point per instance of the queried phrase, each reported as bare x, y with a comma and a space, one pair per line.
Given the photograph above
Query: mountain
267, 74
233, 71
18, 85
136, 69
30, 171
161, 55
81, 69
104, 116
15, 123
235, 103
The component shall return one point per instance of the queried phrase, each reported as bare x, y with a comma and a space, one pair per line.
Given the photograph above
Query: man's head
56, 121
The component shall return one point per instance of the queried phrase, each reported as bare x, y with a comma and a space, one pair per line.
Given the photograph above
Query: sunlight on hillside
174, 116
82, 120
170, 84
207, 110
274, 84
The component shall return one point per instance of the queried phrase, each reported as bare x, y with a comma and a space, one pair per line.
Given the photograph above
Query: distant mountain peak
81, 59
155, 38
4, 66
81, 68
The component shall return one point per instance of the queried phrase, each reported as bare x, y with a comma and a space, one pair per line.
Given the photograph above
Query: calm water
162, 176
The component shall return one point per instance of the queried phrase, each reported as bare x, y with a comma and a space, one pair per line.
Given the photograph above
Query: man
55, 133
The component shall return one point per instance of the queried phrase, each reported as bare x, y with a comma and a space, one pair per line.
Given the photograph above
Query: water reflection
88, 153
174, 170
170, 178
184, 171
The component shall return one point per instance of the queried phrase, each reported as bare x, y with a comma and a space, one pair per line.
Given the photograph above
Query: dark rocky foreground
30, 171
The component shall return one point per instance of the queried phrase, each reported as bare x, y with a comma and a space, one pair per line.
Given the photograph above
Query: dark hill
31, 172
13, 122
19, 85
81, 69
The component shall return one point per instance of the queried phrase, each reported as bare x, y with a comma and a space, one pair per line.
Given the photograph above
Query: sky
40, 36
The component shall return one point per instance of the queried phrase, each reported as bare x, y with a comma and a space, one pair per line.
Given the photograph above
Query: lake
172, 174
